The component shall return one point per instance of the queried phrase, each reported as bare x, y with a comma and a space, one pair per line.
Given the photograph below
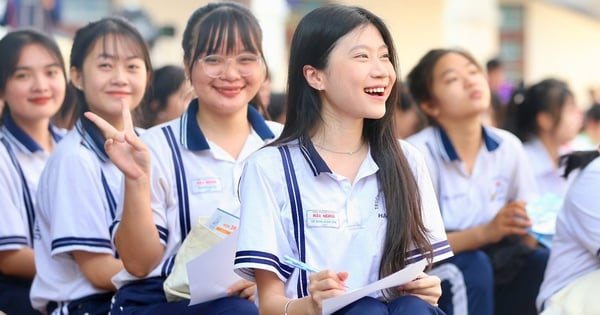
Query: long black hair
549, 95
314, 39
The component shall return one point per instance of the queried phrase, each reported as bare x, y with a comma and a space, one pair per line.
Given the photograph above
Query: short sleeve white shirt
75, 207
335, 225
21, 162
547, 175
191, 178
500, 174
576, 244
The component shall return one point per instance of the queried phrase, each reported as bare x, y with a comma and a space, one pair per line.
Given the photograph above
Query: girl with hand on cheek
482, 180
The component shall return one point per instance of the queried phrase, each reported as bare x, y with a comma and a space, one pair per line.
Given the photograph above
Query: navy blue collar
491, 141
23, 137
315, 161
191, 135
92, 137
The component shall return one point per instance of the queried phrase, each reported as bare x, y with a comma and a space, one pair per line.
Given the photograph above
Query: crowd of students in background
104, 175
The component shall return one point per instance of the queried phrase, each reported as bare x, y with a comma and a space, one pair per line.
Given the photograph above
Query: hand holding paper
397, 279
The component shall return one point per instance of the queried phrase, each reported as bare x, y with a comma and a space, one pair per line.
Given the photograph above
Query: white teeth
375, 90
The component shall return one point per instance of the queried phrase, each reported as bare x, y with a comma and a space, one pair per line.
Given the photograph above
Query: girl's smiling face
36, 89
359, 76
113, 72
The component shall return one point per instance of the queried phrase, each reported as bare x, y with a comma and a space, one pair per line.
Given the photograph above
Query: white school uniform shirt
500, 174
75, 207
576, 244
191, 178
549, 178
21, 162
336, 225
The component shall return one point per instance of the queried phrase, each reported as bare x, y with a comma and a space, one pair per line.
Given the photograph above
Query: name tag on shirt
322, 218
206, 185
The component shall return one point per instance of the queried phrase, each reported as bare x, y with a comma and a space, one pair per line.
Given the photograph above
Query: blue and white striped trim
81, 241
168, 265
185, 224
257, 257
297, 215
92, 139
163, 233
110, 199
439, 249
26, 193
13, 240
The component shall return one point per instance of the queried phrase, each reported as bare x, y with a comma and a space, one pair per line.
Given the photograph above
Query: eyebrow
443, 74
50, 65
111, 56
384, 46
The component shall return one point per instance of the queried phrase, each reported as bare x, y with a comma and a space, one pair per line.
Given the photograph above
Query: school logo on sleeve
322, 218
206, 185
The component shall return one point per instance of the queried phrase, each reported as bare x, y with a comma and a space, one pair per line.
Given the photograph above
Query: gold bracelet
287, 304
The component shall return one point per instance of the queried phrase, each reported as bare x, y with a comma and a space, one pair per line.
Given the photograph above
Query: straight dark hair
165, 82
549, 95
218, 25
84, 41
420, 78
11, 47
314, 39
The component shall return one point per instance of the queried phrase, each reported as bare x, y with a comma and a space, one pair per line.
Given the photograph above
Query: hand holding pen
323, 284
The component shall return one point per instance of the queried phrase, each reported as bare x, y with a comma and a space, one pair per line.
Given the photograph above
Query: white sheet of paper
398, 278
211, 273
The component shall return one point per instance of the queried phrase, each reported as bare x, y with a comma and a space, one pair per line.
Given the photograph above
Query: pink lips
477, 94
40, 100
118, 94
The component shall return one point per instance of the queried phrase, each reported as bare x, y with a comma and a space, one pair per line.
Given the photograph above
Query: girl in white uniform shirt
33, 84
110, 67
338, 190
482, 180
189, 167
571, 278
546, 118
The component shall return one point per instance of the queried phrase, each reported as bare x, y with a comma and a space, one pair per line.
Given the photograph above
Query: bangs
122, 45
224, 31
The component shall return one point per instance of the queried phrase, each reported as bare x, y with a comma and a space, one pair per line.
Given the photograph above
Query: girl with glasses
183, 171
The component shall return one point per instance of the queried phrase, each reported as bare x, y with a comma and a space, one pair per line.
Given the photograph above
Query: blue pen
298, 264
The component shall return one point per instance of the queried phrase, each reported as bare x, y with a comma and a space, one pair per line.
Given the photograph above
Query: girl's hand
124, 148
324, 285
426, 287
510, 220
244, 289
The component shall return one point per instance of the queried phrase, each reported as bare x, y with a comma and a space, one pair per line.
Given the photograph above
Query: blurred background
534, 39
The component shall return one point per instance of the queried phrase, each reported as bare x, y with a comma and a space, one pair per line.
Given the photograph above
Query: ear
544, 121
430, 109
76, 78
313, 77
